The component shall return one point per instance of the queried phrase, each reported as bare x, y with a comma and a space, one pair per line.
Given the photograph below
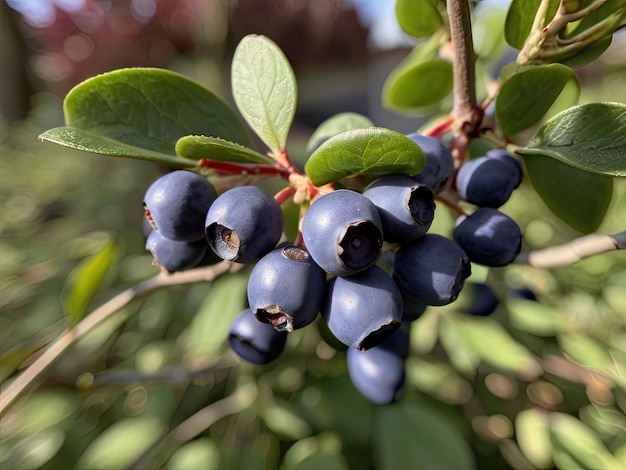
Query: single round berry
379, 373
489, 237
243, 224
342, 232
490, 180
431, 269
406, 207
439, 163
362, 310
286, 288
177, 203
254, 341
174, 255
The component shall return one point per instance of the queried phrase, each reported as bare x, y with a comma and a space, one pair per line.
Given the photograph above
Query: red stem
244, 169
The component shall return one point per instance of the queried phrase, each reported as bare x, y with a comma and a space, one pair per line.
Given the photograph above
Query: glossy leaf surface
195, 147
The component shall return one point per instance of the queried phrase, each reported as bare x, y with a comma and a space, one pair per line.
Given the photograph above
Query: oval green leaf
369, 152
517, 106
578, 197
334, 125
85, 280
418, 18
418, 86
196, 147
520, 18
86, 141
151, 109
264, 88
589, 53
411, 436
591, 137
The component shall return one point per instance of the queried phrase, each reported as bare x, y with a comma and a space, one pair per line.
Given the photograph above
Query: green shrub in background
146, 378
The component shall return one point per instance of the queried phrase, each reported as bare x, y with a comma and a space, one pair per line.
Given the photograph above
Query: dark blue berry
490, 180
431, 269
489, 237
478, 299
174, 255
439, 163
523, 293
286, 288
406, 207
243, 224
176, 205
342, 232
364, 309
254, 341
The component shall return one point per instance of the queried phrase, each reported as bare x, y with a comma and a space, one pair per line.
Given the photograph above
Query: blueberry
254, 341
431, 269
364, 309
406, 207
378, 373
174, 255
412, 309
343, 233
477, 299
176, 205
286, 288
243, 224
439, 163
489, 237
489, 181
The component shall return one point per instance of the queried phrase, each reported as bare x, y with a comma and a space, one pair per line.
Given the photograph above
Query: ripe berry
406, 207
431, 269
489, 181
378, 373
176, 205
254, 341
286, 288
439, 163
362, 310
489, 237
342, 232
174, 255
243, 224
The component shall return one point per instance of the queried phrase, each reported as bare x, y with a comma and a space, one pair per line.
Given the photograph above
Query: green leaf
578, 197
418, 18
264, 88
87, 141
520, 18
488, 31
589, 53
591, 137
412, 436
325, 461
196, 147
369, 152
534, 317
484, 336
85, 280
150, 108
418, 86
334, 125
282, 419
532, 430
579, 444
516, 105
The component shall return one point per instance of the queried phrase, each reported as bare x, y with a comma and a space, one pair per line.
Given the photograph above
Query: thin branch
573, 251
23, 381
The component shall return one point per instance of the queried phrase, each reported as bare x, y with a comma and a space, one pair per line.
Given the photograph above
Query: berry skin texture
489, 237
431, 269
243, 224
489, 181
406, 207
439, 163
254, 341
176, 205
379, 373
286, 288
342, 232
173, 255
364, 309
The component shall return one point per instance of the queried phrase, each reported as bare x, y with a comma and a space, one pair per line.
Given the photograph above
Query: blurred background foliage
541, 384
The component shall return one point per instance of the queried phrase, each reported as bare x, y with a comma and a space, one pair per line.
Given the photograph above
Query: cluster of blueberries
340, 274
